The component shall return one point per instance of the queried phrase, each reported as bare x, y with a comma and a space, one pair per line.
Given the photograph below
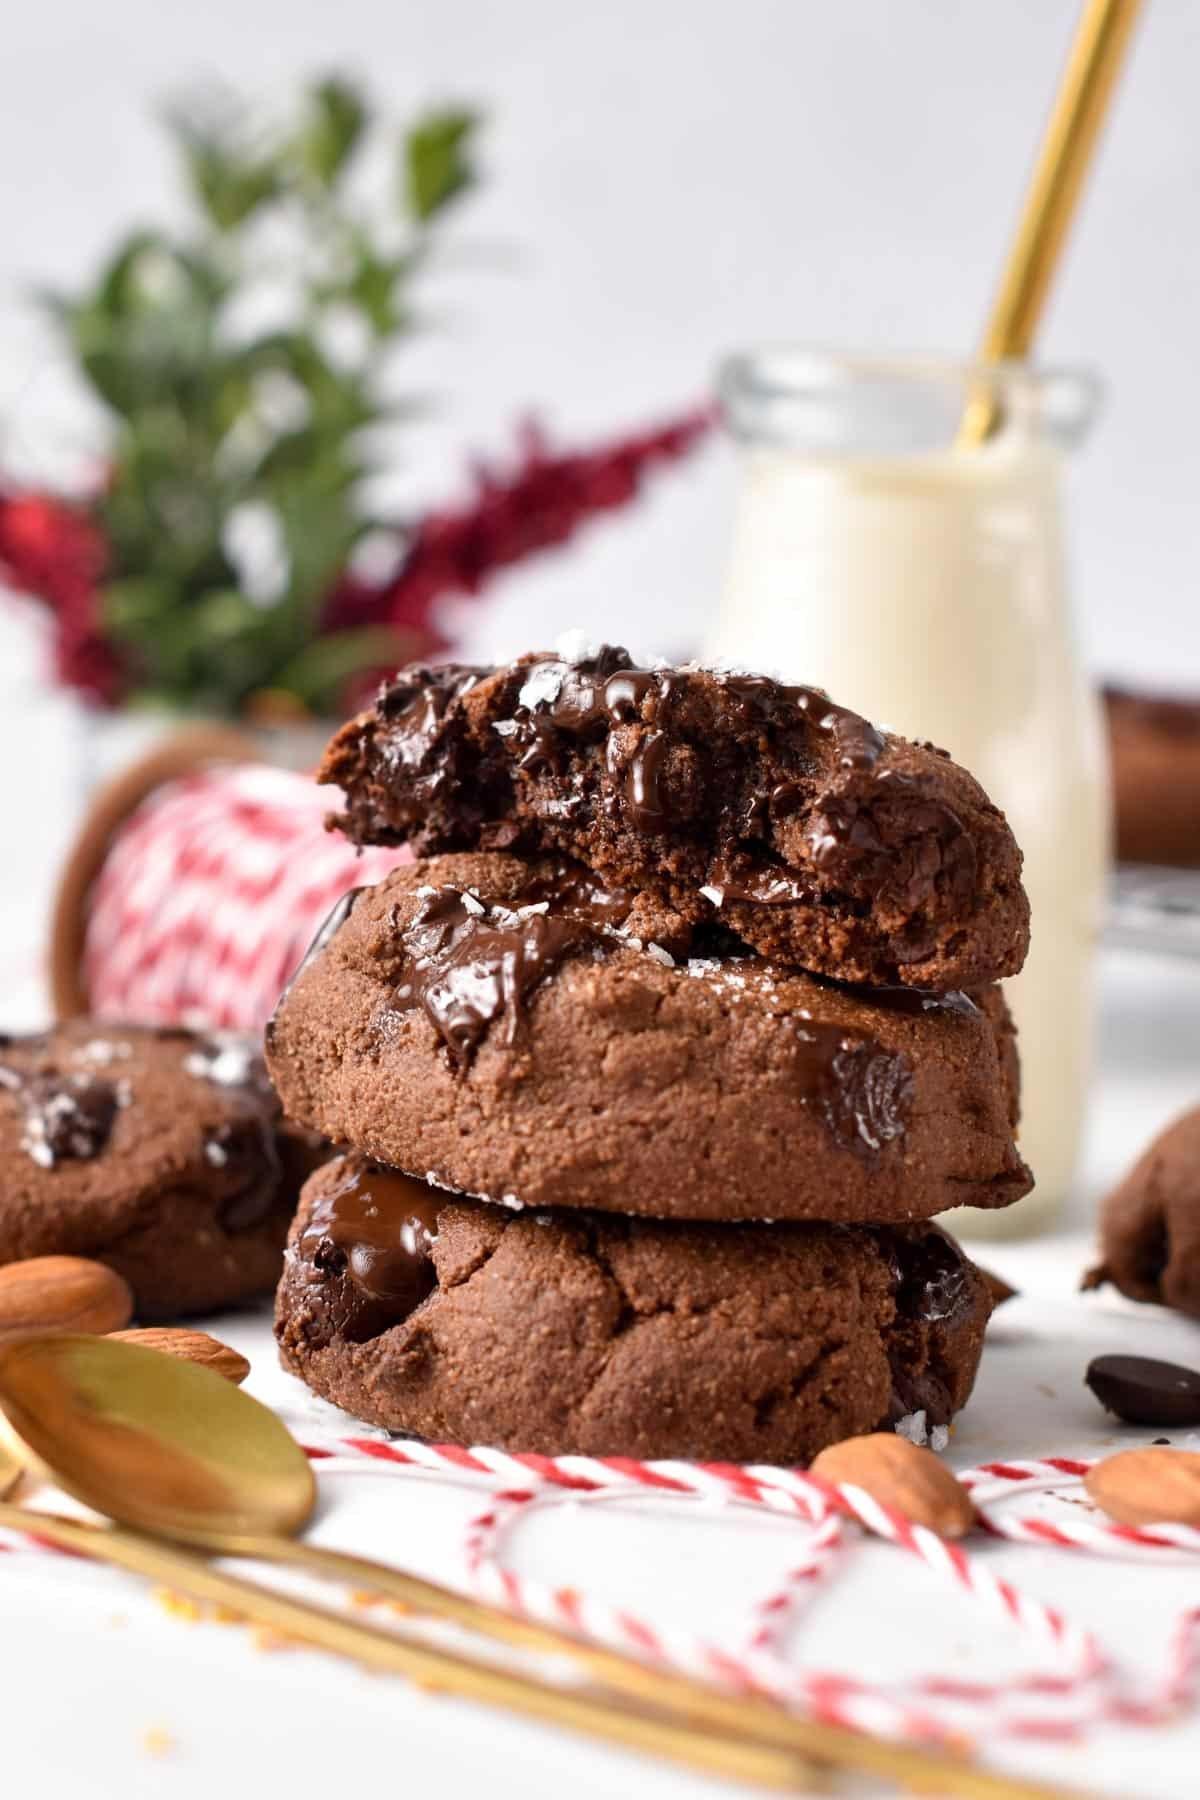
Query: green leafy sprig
225, 433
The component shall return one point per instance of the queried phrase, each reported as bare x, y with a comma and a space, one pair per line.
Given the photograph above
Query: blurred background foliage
242, 364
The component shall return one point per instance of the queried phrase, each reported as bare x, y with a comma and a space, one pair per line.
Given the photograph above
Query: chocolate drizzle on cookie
473, 961
374, 1233
858, 743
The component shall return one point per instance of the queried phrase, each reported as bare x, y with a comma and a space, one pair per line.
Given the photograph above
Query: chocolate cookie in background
1150, 1223
1155, 747
591, 1333
494, 1025
160, 1152
818, 839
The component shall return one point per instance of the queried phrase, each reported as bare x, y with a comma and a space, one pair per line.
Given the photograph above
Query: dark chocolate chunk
67, 1116
473, 961
371, 1236
1143, 1391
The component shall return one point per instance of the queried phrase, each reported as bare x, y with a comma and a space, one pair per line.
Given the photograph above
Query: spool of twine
197, 880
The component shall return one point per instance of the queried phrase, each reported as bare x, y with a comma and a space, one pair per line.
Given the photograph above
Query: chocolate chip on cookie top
817, 838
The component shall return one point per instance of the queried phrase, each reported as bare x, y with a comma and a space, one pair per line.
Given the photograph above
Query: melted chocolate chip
645, 795
858, 743
587, 699
932, 1283
913, 1001
416, 704
862, 1091
472, 961
1144, 1391
67, 1117
373, 1235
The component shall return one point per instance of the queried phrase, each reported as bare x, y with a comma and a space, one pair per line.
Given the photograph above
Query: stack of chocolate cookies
655, 1066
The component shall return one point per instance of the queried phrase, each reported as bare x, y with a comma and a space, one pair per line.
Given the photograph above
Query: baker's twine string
210, 893
1073, 1687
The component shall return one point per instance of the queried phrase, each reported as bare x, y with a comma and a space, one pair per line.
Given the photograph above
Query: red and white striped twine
1073, 1685
210, 894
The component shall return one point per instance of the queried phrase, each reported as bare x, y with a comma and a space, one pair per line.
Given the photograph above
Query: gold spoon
171, 1448
439, 1670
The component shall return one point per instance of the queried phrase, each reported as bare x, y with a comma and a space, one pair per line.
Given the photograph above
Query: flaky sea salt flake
912, 1427
575, 646
542, 685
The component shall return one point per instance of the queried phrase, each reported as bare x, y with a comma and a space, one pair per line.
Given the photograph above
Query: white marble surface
107, 1694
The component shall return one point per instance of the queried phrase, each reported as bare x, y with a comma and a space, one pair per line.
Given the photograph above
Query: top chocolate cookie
817, 838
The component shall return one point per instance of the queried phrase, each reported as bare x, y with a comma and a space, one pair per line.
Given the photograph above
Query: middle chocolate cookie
490, 1025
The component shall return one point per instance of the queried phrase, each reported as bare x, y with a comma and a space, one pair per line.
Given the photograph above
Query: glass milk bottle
922, 584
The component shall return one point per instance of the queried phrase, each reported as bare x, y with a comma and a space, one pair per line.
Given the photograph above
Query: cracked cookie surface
562, 1332
160, 1152
820, 840
495, 1025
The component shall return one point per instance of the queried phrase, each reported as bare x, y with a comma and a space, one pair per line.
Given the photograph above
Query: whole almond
191, 1346
902, 1476
61, 1293
1148, 1487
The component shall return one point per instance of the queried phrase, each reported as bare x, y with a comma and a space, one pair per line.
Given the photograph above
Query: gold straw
1101, 40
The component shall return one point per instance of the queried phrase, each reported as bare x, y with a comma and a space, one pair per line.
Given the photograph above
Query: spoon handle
428, 1666
687, 1699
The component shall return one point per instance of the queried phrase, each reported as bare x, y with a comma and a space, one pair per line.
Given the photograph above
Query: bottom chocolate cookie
558, 1332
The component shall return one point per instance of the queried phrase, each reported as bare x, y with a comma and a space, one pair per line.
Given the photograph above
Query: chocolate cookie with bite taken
159, 1152
590, 1333
496, 1026
818, 839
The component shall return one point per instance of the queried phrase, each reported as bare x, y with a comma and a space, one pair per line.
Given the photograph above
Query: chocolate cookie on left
160, 1152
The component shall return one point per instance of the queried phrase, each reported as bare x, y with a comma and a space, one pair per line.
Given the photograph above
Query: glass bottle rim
784, 393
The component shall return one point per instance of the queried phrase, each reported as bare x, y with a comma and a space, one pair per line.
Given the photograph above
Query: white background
668, 179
